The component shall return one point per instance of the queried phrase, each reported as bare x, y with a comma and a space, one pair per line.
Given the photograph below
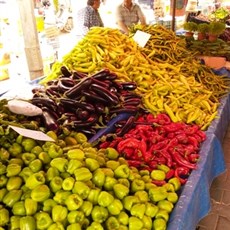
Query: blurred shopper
128, 14
88, 17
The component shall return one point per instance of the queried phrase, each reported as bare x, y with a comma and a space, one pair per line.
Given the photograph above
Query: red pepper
152, 164
199, 139
135, 163
193, 141
182, 138
128, 143
128, 152
182, 173
171, 135
180, 160
173, 127
104, 145
194, 157
159, 182
191, 129
170, 174
160, 145
163, 119
201, 134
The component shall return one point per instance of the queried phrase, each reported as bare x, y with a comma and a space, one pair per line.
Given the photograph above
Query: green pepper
99, 214
36, 150
112, 223
81, 188
35, 165
135, 223
165, 205
172, 197
76, 154
73, 164
35, 179
129, 201
123, 218
59, 163
75, 216
142, 195
31, 206
3, 181
138, 210
26, 192
48, 205
51, 173
43, 220
175, 182
122, 171
40, 193
61, 195
108, 172
147, 221
14, 182
151, 209
73, 202
19, 139
80, 137
3, 192
111, 153
98, 177
124, 181
17, 161
44, 157
112, 164
162, 214
4, 154
157, 194
169, 187
95, 226
27, 223
52, 134
86, 207
68, 183
26, 173
105, 199
18, 208
12, 197
115, 207
159, 224
91, 164
15, 149
28, 144
137, 185
13, 170
70, 141
55, 151
109, 183
14, 222
4, 217
83, 174
74, 226
56, 184
93, 195
120, 191
2, 168
56, 226
59, 213
28, 157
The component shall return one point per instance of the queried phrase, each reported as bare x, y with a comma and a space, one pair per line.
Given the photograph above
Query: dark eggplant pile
85, 103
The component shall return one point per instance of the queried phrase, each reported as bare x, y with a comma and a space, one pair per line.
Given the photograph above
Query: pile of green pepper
68, 184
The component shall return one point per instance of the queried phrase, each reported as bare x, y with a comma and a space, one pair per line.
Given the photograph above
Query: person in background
88, 17
128, 14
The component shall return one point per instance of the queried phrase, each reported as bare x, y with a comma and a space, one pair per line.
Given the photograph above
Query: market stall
116, 136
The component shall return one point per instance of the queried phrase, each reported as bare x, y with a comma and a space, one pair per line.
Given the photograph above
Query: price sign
141, 38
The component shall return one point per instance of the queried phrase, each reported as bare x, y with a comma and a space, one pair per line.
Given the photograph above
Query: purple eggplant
78, 75
127, 126
82, 114
128, 85
111, 97
77, 89
44, 102
65, 71
49, 120
93, 96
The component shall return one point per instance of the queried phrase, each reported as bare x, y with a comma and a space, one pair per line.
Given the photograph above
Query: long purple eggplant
49, 120
77, 89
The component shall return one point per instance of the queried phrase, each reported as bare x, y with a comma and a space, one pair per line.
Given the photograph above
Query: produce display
68, 184
129, 177
178, 88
